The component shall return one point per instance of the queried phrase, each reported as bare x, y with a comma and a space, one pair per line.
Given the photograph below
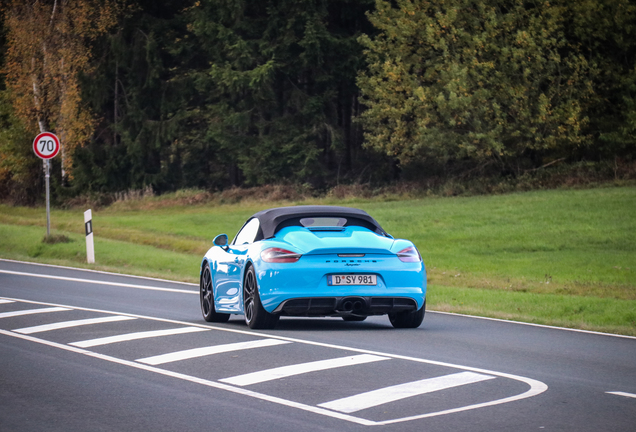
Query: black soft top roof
272, 220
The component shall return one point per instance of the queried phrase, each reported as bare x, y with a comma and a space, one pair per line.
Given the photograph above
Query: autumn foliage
48, 46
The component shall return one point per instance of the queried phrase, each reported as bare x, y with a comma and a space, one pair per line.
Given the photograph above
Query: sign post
46, 146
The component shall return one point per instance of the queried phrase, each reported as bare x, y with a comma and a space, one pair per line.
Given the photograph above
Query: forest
215, 94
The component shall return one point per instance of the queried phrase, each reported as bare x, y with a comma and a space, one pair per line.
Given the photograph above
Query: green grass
572, 242
588, 313
561, 257
26, 243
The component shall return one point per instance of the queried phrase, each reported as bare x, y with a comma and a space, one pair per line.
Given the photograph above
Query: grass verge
25, 243
587, 313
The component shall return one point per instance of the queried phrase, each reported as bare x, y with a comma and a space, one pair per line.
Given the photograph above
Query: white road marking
32, 311
297, 369
532, 324
146, 287
77, 269
617, 393
134, 336
209, 350
3, 301
535, 387
201, 381
69, 324
402, 391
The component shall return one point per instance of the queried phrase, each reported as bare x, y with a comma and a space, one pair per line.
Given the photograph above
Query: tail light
409, 254
278, 255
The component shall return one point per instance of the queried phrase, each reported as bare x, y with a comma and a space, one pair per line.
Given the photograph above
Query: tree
134, 83
213, 93
280, 85
19, 168
494, 80
605, 32
48, 46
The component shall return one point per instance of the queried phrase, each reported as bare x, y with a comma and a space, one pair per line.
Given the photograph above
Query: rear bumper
302, 289
345, 306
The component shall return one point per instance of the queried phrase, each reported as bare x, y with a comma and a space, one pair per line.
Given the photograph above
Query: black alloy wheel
256, 317
206, 294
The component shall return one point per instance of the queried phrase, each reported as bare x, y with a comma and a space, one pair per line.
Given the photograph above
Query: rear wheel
206, 294
256, 317
408, 319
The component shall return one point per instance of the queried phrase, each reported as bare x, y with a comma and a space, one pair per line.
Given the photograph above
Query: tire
256, 317
206, 295
408, 319
352, 318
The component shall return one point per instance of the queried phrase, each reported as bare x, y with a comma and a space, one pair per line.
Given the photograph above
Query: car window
323, 221
248, 233
326, 221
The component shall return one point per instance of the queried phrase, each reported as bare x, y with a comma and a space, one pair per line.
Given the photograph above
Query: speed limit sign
46, 145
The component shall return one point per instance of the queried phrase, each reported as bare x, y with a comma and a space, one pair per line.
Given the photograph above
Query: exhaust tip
353, 304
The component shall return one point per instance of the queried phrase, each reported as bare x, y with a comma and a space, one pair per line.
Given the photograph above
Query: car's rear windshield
323, 221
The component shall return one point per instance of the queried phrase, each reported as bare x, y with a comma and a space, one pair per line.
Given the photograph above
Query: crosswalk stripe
209, 350
69, 324
402, 391
135, 336
32, 311
301, 368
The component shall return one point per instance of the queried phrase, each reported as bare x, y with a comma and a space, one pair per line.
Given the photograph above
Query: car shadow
319, 324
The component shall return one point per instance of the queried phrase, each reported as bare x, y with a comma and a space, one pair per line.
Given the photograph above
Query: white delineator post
90, 247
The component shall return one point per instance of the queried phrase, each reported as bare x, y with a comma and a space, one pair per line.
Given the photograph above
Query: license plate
358, 279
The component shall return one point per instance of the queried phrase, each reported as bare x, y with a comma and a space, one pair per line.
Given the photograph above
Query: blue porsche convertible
312, 261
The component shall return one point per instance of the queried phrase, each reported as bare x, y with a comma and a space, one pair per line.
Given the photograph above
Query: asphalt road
89, 351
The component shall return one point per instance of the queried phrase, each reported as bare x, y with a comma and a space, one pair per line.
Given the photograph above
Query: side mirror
221, 241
